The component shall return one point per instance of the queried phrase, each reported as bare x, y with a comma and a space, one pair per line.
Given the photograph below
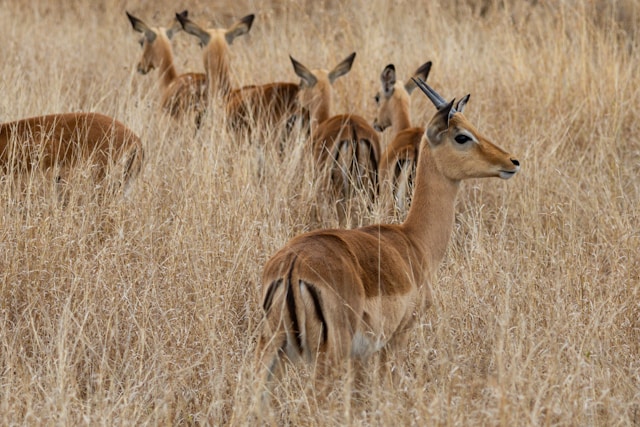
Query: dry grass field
144, 310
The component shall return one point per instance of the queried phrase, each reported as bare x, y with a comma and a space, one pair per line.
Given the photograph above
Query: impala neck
429, 222
401, 119
217, 66
168, 72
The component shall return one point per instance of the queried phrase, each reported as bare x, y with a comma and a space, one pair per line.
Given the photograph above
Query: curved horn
434, 96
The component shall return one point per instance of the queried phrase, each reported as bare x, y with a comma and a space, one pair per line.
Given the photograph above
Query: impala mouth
507, 174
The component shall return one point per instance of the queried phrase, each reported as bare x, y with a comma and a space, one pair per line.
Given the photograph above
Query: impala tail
296, 326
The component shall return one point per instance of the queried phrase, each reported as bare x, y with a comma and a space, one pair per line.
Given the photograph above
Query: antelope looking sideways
399, 160
58, 143
216, 42
180, 93
331, 295
345, 144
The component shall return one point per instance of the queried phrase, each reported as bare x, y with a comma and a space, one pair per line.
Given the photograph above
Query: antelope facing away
58, 143
332, 295
181, 93
345, 144
400, 158
216, 42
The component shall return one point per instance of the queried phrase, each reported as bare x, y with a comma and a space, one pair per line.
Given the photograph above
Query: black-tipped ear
460, 105
303, 72
192, 28
440, 123
388, 79
177, 26
240, 28
342, 68
138, 24
422, 73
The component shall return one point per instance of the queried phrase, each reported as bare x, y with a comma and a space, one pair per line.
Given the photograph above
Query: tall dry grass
143, 310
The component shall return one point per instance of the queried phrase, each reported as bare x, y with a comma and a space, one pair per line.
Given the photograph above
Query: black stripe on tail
291, 305
317, 304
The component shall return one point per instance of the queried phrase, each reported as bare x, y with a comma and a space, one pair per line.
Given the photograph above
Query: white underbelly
366, 344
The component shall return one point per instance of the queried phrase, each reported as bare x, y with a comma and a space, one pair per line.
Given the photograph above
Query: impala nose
515, 162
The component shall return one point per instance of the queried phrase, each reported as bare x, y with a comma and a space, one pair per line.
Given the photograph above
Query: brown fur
334, 294
59, 142
181, 94
344, 145
399, 160
215, 43
267, 106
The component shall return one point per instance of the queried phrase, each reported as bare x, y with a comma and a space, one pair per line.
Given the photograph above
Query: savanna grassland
143, 310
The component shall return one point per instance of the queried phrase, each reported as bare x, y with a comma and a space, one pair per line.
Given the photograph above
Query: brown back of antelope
346, 146
215, 43
399, 160
181, 94
330, 295
59, 143
266, 107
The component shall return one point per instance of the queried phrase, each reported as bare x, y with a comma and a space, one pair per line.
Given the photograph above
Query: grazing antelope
58, 143
399, 159
331, 295
345, 143
180, 93
215, 42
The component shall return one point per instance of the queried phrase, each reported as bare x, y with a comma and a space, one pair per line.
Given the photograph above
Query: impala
345, 144
180, 93
334, 295
399, 159
216, 42
58, 143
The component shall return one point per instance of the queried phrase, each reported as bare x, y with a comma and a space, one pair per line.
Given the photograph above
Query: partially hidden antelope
335, 295
215, 43
399, 160
57, 144
345, 144
182, 94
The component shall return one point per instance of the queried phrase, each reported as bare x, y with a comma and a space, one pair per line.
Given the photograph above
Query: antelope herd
330, 295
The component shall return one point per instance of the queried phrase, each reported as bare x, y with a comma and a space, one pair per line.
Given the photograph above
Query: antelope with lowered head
345, 145
332, 295
181, 93
400, 158
59, 143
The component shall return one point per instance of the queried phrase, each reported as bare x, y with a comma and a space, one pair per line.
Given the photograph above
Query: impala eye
462, 139
377, 98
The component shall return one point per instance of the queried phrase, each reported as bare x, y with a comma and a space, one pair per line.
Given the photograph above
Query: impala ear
240, 28
439, 124
192, 28
460, 105
176, 26
422, 73
141, 27
388, 80
303, 72
342, 68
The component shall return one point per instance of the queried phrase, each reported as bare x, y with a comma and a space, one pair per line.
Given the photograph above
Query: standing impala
400, 158
330, 295
345, 144
182, 93
216, 42
59, 143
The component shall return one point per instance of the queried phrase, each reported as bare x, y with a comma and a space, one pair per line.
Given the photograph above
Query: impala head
459, 150
314, 95
155, 42
215, 43
393, 99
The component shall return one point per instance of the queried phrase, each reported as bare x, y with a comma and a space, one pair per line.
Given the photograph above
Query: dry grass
144, 310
